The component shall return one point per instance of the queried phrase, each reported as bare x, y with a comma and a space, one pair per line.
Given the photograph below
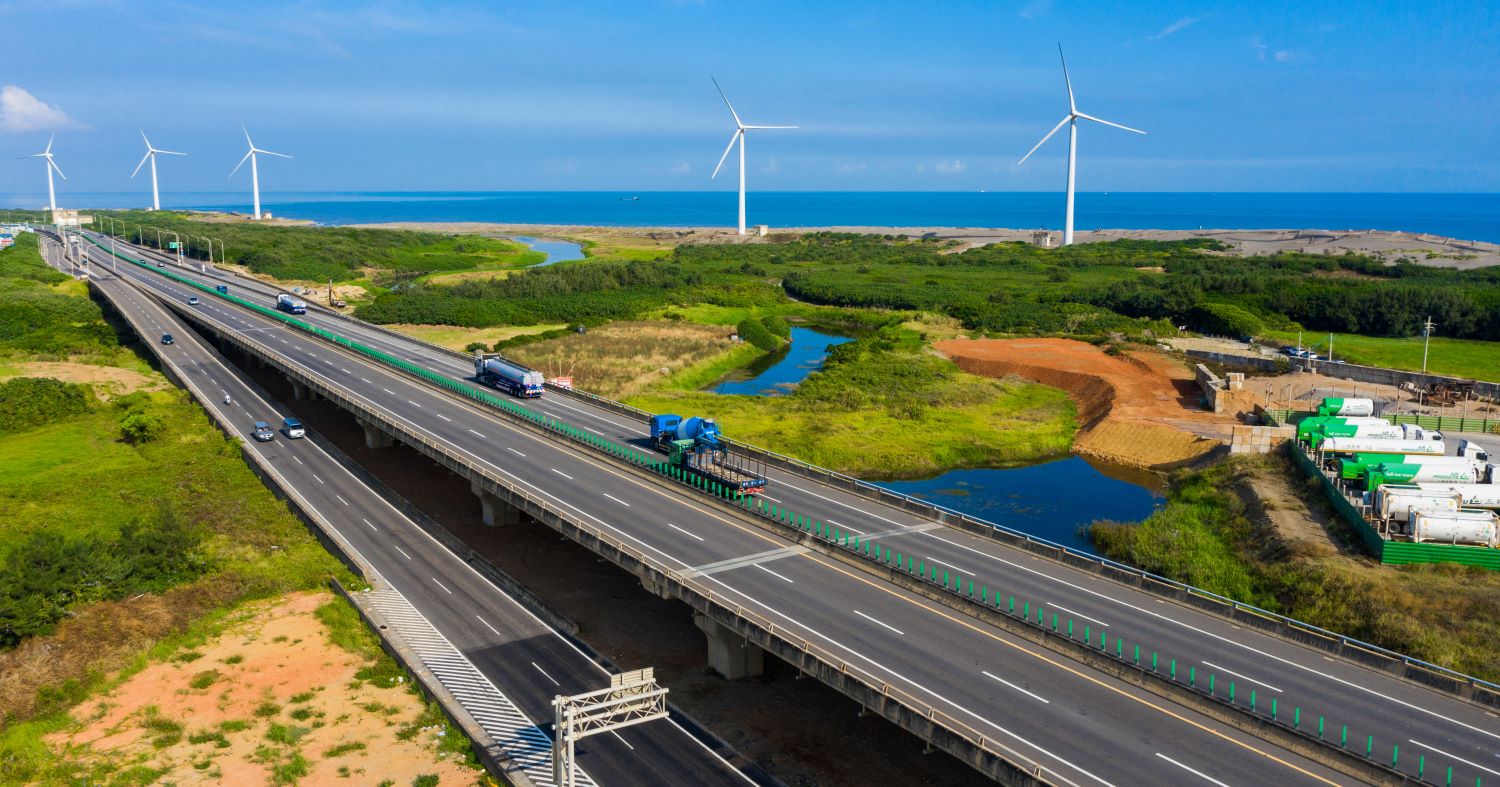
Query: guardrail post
1104, 635
1421, 765
1086, 635
1119, 648
1231, 692
1137, 654
1012, 609
1252, 700
1344, 738
1320, 728
1153, 669
1054, 621
1297, 718
1070, 628
1026, 610
1273, 709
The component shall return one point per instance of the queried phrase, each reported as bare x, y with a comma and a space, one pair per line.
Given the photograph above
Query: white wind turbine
51, 165
1072, 122
739, 135
151, 154
254, 170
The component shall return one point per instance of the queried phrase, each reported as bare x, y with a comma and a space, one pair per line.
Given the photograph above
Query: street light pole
1426, 339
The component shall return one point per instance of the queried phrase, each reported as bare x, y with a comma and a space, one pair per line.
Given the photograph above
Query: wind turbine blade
248, 154
143, 161
248, 140
748, 127
727, 148
1066, 79
1054, 130
53, 164
269, 153
168, 152
727, 104
143, 136
1107, 123
50, 140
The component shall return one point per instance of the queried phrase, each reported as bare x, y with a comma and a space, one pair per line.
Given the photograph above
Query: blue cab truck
697, 446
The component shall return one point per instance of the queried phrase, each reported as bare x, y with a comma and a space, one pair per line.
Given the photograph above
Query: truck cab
1472, 450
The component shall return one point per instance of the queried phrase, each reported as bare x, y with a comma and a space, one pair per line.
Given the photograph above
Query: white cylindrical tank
1346, 407
1464, 526
1382, 445
1395, 502
1474, 495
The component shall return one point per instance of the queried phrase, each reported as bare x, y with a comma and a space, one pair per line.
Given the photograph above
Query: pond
779, 372
1053, 500
556, 250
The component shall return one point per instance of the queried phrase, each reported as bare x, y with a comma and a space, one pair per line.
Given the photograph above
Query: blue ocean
1462, 216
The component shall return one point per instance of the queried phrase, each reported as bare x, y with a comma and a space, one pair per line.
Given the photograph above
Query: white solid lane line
1061, 608
1037, 697
778, 576
545, 675
561, 473
931, 559
622, 740
1199, 774
684, 532
441, 585
488, 626
879, 622
508, 448
402, 551
1243, 677
616, 499
1453, 756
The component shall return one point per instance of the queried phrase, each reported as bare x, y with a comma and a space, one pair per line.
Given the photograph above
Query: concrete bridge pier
495, 512
374, 437
729, 654
300, 392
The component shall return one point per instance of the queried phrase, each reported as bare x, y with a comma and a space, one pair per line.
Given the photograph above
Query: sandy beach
1422, 249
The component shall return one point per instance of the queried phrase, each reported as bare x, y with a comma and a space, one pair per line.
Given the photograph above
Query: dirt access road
1139, 408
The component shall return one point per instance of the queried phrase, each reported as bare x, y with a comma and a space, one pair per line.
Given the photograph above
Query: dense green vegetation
321, 253
768, 333
42, 313
29, 402
1457, 357
1205, 536
883, 407
104, 501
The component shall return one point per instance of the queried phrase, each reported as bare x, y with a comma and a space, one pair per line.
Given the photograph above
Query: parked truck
1396, 502
1380, 431
1472, 450
1474, 495
291, 305
1346, 407
1414, 432
1470, 526
1309, 426
696, 446
1353, 467
509, 376
1460, 472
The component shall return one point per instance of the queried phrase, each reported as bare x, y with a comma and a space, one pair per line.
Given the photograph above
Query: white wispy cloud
681, 169
950, 167
1287, 56
851, 167
1176, 27
21, 112
1035, 8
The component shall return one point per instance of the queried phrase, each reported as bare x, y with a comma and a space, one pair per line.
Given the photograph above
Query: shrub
138, 427
753, 331
1225, 319
29, 402
777, 326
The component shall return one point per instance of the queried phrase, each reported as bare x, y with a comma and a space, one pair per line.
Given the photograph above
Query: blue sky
1279, 96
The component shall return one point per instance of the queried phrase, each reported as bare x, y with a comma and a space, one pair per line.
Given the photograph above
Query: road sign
563, 382
172, 245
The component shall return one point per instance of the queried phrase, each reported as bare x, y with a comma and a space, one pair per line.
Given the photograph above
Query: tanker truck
508, 376
1382, 431
1354, 467
1309, 426
1460, 472
1346, 407
1464, 526
697, 447
291, 305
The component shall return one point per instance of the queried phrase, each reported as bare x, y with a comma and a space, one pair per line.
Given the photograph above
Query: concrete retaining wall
1343, 371
1259, 439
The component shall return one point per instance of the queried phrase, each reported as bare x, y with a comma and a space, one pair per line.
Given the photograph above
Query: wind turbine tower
51, 165
1071, 120
738, 136
151, 153
254, 170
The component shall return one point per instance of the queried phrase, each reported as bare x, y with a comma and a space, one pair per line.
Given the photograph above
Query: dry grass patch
107, 381
456, 338
624, 358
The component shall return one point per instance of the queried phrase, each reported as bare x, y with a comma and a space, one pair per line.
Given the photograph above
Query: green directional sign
172, 245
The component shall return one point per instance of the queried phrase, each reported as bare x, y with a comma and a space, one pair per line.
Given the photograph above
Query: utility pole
1426, 339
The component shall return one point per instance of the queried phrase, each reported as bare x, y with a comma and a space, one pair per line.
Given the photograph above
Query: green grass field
1469, 358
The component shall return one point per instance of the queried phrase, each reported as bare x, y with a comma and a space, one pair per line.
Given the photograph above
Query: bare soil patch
1139, 408
107, 381
270, 698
